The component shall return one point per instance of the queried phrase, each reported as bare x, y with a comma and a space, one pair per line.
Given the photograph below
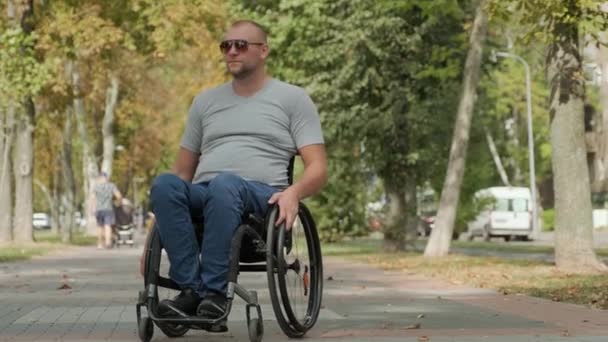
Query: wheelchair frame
268, 243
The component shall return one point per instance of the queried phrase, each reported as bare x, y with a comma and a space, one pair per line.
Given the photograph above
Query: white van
505, 212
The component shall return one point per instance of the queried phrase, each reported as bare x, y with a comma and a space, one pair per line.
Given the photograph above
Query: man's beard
242, 73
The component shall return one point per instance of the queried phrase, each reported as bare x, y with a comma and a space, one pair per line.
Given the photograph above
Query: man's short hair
263, 30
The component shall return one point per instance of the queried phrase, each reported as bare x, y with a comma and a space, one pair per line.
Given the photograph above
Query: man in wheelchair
233, 159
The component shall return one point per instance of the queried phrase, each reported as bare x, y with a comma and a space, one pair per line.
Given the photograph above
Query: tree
600, 180
441, 236
574, 238
367, 66
560, 28
24, 76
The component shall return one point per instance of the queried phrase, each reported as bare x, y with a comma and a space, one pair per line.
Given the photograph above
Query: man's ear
265, 51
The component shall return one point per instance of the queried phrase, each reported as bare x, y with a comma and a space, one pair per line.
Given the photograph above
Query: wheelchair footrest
215, 328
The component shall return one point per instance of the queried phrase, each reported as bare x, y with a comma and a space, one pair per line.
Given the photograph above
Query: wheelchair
291, 260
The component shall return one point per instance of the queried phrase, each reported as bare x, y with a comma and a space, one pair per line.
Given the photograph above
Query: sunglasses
240, 45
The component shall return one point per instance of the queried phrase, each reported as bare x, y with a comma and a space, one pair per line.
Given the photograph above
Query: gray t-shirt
253, 137
104, 193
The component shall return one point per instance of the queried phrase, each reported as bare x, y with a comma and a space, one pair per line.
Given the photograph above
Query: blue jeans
220, 204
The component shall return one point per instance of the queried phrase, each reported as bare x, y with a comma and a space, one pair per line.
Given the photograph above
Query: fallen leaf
423, 339
330, 278
65, 286
413, 326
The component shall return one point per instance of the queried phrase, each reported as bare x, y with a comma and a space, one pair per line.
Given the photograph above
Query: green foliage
503, 111
23, 75
549, 219
339, 210
384, 75
541, 17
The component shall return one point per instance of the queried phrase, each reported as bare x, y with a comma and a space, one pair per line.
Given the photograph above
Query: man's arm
117, 194
315, 171
311, 182
185, 164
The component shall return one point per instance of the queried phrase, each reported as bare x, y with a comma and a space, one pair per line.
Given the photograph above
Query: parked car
41, 221
374, 213
79, 220
504, 212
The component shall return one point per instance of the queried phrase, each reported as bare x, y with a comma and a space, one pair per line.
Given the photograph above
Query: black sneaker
213, 307
185, 303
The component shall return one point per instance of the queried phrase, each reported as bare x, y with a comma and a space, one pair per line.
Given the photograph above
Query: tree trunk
24, 147
496, 157
56, 203
441, 236
6, 198
396, 219
411, 206
515, 147
23, 169
69, 184
90, 169
573, 221
601, 157
107, 128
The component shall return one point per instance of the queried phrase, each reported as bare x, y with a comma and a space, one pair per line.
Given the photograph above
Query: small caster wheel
256, 330
146, 329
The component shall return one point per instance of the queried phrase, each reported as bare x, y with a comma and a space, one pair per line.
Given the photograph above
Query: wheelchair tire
277, 268
145, 329
152, 262
256, 330
151, 267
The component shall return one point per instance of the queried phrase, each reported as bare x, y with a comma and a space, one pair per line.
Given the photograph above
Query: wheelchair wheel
295, 273
151, 271
145, 329
256, 330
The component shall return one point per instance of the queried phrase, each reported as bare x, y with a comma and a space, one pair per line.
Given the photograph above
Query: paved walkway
85, 294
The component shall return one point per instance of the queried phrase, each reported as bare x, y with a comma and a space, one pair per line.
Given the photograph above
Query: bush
339, 210
549, 220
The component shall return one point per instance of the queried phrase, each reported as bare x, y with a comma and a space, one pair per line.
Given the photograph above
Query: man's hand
288, 202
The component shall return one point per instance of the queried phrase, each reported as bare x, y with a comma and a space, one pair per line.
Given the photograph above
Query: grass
78, 239
16, 253
507, 276
45, 243
514, 248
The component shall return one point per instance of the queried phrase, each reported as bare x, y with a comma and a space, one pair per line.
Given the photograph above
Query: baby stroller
124, 227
